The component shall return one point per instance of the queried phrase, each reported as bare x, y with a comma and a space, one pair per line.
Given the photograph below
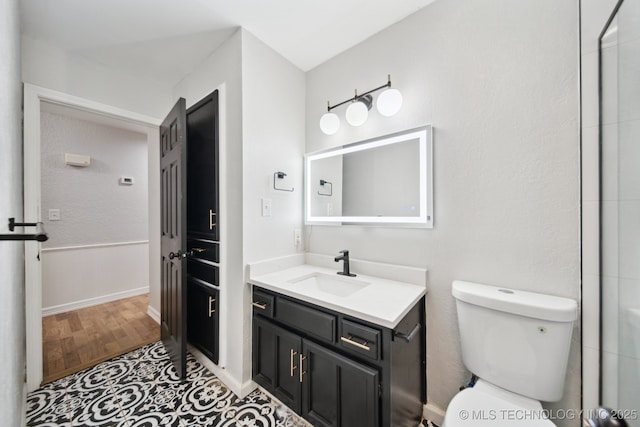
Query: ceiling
165, 39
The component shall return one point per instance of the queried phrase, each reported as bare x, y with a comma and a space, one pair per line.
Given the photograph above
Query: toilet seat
488, 405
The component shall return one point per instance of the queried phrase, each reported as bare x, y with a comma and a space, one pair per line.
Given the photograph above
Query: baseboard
239, 389
433, 413
154, 314
76, 305
24, 405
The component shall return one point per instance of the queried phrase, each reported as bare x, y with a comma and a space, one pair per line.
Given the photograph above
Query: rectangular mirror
385, 180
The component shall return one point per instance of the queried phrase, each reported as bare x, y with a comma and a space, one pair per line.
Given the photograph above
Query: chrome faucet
345, 266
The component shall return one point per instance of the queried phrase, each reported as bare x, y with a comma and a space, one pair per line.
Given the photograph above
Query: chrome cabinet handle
212, 215
292, 366
211, 309
302, 371
260, 306
195, 251
350, 340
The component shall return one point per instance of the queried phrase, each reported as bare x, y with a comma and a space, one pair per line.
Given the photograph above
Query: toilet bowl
517, 343
488, 405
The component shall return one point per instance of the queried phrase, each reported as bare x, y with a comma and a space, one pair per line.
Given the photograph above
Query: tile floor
141, 389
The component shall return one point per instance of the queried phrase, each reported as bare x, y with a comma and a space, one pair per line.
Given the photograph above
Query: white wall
53, 68
94, 207
499, 82
12, 323
82, 276
273, 99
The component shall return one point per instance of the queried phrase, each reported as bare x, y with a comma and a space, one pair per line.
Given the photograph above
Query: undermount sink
334, 285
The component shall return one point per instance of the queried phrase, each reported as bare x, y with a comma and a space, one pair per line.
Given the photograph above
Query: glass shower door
620, 211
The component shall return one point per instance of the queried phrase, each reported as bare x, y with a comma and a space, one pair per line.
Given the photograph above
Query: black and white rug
141, 388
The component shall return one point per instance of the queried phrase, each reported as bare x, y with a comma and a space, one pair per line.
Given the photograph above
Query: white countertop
384, 302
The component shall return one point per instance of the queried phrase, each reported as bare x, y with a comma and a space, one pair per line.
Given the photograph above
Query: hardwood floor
79, 339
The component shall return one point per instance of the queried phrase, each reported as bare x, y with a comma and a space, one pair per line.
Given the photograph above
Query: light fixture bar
357, 97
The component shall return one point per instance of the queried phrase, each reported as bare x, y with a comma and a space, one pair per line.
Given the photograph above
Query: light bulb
357, 113
329, 123
389, 102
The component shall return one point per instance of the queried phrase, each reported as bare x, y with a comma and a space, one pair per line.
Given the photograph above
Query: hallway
79, 339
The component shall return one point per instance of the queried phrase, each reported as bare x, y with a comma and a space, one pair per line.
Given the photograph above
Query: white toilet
517, 343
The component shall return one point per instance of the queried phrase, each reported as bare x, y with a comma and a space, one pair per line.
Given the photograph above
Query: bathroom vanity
340, 351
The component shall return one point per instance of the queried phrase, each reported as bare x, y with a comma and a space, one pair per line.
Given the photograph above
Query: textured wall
499, 82
94, 207
12, 323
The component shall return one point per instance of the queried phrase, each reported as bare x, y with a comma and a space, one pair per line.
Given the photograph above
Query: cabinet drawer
263, 303
203, 271
359, 339
306, 319
204, 249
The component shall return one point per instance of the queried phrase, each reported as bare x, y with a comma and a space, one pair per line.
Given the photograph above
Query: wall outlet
266, 207
54, 214
297, 237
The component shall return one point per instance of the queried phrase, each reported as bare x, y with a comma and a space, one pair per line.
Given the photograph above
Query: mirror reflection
385, 180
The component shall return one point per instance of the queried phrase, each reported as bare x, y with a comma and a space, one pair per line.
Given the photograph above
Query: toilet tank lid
523, 303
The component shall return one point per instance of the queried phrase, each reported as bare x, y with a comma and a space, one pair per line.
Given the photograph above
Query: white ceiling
165, 39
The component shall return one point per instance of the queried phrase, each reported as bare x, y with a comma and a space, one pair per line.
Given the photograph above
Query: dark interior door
173, 161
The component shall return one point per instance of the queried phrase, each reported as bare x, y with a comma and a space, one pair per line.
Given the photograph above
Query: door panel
276, 361
337, 391
203, 331
173, 139
203, 199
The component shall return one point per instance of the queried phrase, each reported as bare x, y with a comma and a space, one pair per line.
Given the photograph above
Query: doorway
34, 98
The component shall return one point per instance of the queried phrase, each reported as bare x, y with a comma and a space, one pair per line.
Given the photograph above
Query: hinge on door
379, 390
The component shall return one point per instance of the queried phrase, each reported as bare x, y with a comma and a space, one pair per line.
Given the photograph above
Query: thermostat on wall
126, 180
77, 160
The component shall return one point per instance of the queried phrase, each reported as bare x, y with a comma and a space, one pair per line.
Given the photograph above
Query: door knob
178, 254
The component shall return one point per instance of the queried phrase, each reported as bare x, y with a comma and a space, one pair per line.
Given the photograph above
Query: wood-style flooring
79, 339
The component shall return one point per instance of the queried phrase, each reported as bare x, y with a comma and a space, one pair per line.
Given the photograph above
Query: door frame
33, 95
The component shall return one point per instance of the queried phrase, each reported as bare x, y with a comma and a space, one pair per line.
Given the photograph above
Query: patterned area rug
141, 389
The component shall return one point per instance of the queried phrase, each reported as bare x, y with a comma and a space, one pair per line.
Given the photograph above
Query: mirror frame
424, 134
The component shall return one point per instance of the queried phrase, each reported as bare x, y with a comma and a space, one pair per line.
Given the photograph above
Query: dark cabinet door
276, 359
203, 213
204, 327
336, 391
202, 225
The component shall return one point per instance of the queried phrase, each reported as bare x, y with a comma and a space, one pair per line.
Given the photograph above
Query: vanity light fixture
388, 104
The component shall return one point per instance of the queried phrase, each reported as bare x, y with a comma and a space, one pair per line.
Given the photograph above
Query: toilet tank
514, 339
